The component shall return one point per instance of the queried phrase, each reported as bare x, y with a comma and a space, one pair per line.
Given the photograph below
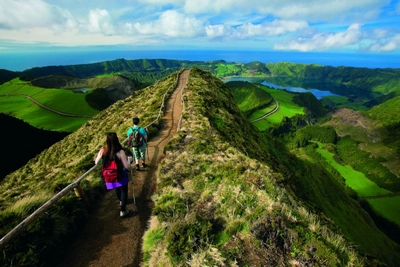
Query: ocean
22, 61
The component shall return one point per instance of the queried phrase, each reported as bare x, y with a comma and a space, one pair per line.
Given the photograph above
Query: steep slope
231, 196
387, 114
17, 132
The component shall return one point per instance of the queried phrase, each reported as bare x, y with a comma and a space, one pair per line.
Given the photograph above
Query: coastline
14, 61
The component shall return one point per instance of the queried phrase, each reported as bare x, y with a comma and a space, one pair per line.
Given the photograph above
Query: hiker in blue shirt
138, 144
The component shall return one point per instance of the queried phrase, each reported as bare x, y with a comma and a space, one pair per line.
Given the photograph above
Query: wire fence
73, 186
183, 107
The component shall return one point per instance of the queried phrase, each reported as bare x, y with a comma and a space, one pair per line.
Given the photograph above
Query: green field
388, 207
354, 179
286, 109
109, 74
223, 70
65, 101
343, 102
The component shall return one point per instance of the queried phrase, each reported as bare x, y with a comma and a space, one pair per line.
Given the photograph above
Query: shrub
151, 239
186, 236
169, 206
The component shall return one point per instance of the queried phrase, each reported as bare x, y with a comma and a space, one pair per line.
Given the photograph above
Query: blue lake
318, 93
81, 90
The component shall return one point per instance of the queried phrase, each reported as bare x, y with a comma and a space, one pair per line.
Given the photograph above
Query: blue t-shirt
142, 131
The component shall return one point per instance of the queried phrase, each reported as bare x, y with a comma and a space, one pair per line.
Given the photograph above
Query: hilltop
227, 194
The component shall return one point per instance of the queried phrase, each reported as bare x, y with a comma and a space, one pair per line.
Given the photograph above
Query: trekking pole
147, 147
147, 152
133, 189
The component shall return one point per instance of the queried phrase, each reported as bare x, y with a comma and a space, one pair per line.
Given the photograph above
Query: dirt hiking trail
109, 240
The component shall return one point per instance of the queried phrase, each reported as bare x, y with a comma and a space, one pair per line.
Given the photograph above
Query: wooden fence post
79, 193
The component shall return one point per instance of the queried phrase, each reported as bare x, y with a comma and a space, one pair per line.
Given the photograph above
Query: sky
354, 26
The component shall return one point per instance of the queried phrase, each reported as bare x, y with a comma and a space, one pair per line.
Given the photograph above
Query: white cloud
100, 22
311, 10
276, 27
378, 34
170, 24
224, 22
254, 31
25, 14
323, 41
217, 31
316, 10
388, 45
46, 37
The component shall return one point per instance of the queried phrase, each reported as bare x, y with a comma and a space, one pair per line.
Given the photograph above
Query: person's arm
99, 155
121, 155
145, 134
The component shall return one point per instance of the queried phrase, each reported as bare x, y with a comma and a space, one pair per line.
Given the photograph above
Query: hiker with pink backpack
115, 166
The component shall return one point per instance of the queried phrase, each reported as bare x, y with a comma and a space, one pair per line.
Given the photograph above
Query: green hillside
17, 99
60, 102
372, 82
155, 67
249, 97
387, 114
228, 194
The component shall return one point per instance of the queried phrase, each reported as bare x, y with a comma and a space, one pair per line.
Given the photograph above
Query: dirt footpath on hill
109, 240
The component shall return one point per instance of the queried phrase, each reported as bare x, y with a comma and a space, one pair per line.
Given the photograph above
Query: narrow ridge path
107, 239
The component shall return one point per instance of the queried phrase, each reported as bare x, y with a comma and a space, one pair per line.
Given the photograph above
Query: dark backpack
111, 169
135, 138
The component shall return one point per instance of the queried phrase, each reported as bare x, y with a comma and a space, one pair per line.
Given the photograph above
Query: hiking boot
137, 167
144, 165
124, 213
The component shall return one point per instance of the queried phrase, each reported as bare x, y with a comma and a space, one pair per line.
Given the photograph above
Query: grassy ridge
226, 200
